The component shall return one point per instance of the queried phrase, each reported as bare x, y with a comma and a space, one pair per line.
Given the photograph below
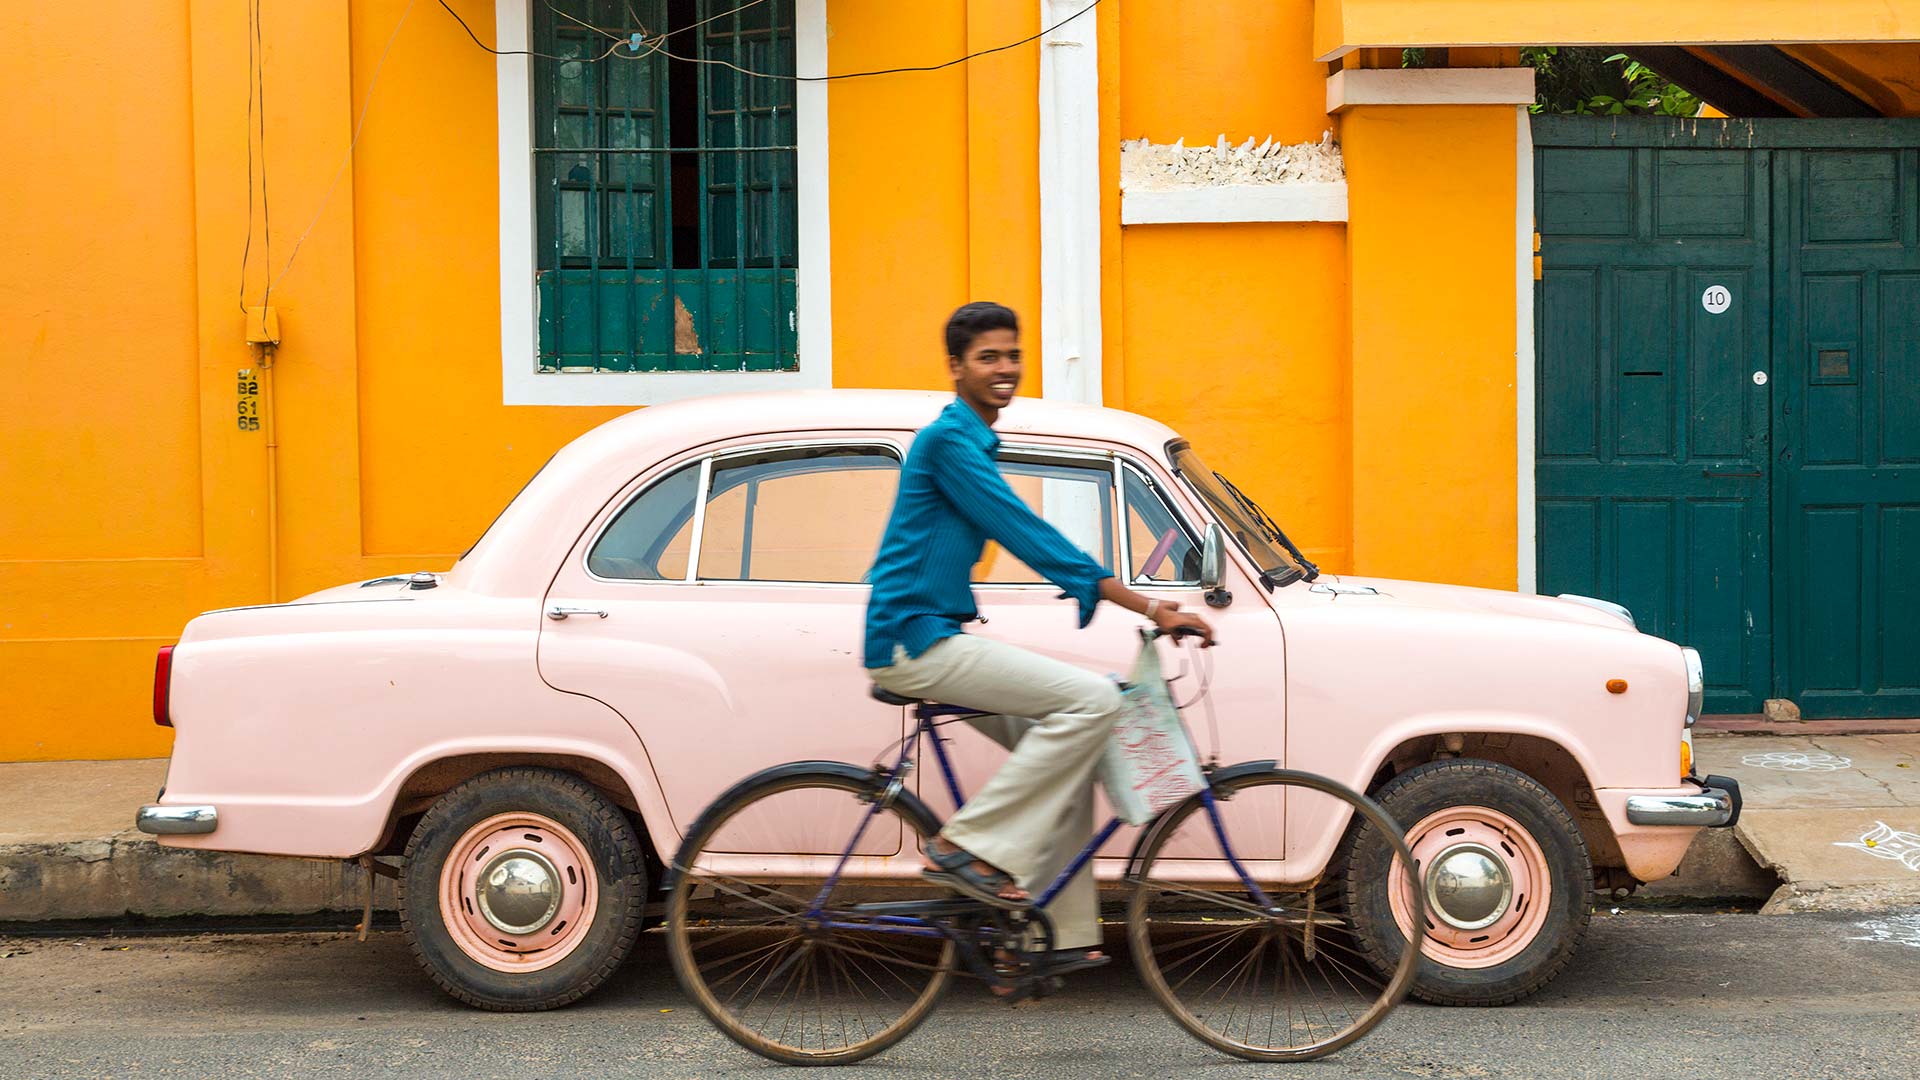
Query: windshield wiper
1273, 531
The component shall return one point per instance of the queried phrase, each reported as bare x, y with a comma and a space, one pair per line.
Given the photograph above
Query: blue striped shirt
952, 499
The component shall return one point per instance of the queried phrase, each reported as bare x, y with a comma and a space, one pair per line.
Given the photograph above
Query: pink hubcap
518, 892
1486, 883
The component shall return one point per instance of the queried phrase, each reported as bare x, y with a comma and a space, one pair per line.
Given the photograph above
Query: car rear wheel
522, 890
1504, 871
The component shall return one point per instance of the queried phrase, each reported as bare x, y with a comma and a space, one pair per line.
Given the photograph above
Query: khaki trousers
1036, 813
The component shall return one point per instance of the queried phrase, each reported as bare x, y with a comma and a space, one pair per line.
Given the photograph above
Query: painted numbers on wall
247, 394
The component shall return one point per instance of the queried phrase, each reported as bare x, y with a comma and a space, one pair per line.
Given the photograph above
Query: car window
811, 514
1074, 497
1159, 549
651, 537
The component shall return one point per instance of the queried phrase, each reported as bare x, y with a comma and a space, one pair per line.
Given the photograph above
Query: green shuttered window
665, 205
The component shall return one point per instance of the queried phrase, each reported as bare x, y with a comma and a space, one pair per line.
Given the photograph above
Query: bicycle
811, 957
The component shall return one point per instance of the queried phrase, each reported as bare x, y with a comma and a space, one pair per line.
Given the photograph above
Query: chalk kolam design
1899, 929
1798, 761
1883, 841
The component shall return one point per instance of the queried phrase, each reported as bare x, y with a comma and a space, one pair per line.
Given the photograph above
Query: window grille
666, 232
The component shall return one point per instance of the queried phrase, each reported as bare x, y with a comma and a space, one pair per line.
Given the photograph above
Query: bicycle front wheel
1272, 972
788, 972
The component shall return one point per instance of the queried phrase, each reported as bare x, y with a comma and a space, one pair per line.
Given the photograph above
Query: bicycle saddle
888, 697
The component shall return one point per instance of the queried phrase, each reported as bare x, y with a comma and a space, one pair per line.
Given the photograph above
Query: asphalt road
1651, 996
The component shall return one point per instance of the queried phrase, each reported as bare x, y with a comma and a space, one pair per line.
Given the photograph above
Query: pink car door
1125, 512
718, 605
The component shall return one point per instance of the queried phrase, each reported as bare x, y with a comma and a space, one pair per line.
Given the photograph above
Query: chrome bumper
177, 820
1716, 806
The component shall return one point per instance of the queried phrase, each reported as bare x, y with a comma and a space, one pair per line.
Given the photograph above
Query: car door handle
558, 612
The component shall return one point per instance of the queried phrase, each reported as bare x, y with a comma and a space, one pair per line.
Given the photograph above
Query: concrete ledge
1716, 867
1297, 201
1352, 87
129, 874
68, 850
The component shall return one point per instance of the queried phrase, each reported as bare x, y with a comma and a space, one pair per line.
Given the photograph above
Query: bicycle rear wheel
790, 975
1282, 980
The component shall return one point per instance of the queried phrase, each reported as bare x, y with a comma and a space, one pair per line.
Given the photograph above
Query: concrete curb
130, 874
1717, 867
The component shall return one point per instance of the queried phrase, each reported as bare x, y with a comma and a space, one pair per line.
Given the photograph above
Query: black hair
969, 321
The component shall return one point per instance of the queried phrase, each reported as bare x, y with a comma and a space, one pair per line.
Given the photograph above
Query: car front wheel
1504, 870
522, 890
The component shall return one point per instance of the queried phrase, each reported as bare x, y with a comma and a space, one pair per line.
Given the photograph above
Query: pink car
676, 601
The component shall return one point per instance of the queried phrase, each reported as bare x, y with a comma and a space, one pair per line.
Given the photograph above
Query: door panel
1651, 450
1847, 442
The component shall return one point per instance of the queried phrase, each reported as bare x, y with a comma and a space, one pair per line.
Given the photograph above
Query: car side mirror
1213, 568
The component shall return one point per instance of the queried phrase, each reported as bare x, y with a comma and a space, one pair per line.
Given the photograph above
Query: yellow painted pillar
1436, 299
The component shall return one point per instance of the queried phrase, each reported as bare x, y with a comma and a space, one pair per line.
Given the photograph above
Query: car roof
533, 532
683, 424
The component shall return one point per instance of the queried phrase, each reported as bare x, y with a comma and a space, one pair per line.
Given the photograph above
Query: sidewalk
68, 850
1831, 822
1836, 817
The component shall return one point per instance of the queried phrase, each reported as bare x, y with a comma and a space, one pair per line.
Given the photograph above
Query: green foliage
1583, 81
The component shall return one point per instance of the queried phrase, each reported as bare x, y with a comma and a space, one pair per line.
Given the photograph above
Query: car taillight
162, 685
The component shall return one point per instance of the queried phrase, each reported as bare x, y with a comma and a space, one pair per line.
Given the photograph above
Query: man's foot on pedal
1059, 962
952, 866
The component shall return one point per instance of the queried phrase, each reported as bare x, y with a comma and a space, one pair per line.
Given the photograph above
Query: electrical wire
625, 38
346, 159
888, 71
623, 42
626, 42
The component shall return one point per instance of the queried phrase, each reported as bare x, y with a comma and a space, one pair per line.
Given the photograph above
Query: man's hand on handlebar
1168, 617
1165, 615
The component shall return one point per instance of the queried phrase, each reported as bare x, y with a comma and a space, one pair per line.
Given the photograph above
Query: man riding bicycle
1036, 812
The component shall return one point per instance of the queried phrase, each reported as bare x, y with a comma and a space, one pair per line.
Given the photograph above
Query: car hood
1422, 594
386, 588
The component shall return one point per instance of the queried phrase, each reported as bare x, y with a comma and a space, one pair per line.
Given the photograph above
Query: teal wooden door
1651, 317
1847, 423
1728, 396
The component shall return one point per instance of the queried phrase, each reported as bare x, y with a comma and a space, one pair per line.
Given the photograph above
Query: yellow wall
1431, 252
1235, 334
132, 500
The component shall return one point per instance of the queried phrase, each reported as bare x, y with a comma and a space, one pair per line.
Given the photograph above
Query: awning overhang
1342, 26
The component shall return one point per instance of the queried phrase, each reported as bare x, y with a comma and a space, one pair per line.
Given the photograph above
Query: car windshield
1280, 562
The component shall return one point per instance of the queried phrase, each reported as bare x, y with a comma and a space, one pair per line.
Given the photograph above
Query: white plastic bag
1149, 763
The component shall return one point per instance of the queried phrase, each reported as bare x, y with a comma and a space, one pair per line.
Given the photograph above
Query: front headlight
1696, 684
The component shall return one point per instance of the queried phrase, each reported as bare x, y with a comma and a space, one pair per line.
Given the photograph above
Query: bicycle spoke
1280, 984
1222, 899
788, 970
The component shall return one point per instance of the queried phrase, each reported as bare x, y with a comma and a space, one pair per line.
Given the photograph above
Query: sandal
1068, 961
955, 870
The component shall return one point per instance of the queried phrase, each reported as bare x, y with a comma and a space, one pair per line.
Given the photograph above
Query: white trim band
1429, 86
1526, 555
1298, 201
1070, 327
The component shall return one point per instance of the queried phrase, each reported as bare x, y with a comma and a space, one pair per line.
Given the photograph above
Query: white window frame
521, 380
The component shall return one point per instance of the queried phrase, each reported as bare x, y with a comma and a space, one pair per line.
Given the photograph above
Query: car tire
522, 890
1497, 827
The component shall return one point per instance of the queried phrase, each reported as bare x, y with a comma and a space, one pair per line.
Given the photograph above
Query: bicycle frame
926, 717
